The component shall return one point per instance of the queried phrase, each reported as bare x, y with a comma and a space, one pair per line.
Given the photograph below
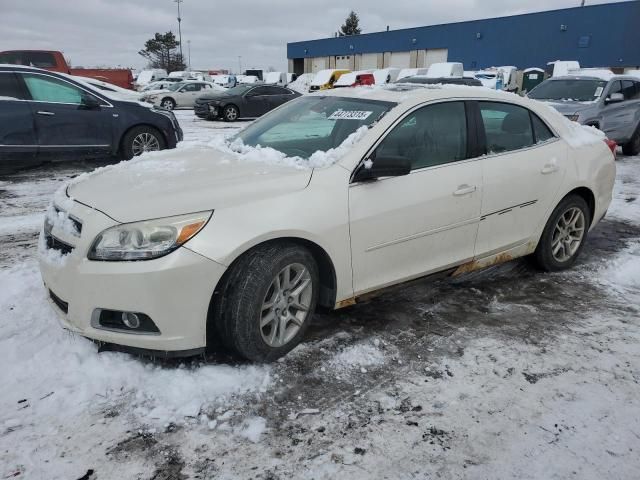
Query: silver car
611, 105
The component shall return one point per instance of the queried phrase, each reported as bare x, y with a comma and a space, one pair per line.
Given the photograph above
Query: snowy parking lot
504, 373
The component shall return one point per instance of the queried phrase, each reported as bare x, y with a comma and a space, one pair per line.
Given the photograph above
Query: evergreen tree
351, 26
161, 51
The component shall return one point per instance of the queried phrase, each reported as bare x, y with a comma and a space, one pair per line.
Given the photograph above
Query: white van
147, 76
275, 78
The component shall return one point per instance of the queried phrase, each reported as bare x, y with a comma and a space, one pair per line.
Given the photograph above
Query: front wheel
168, 103
230, 113
265, 304
142, 139
564, 235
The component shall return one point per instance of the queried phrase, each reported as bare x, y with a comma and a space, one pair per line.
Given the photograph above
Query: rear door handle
44, 112
464, 190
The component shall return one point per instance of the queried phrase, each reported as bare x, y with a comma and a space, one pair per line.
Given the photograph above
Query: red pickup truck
54, 61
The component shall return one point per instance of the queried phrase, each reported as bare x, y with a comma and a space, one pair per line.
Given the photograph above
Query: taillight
612, 145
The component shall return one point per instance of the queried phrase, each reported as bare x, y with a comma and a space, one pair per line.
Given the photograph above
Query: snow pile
626, 201
357, 356
251, 428
302, 83
80, 379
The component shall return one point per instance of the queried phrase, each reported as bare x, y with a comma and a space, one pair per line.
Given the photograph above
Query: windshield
311, 124
580, 90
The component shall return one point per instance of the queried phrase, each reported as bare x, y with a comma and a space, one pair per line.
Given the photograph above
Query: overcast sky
111, 32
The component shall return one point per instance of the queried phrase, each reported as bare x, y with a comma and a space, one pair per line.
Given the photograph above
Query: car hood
155, 92
569, 107
162, 184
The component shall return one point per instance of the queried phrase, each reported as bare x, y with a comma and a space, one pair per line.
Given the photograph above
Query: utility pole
240, 64
189, 46
180, 28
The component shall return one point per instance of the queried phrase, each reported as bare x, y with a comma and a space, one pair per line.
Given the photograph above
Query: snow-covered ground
506, 373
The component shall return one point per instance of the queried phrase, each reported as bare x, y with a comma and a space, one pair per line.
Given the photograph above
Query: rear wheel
564, 235
632, 147
265, 304
230, 113
141, 139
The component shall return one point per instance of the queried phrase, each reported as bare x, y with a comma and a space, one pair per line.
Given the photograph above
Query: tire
240, 312
548, 255
168, 103
230, 113
632, 147
131, 142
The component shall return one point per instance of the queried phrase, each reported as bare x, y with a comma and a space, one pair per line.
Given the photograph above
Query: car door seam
509, 209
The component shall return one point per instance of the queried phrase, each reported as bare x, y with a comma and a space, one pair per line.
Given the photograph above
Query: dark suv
47, 116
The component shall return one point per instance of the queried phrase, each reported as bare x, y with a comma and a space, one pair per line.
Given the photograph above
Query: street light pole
180, 28
189, 50
240, 64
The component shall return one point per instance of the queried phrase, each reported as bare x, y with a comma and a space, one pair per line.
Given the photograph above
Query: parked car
386, 75
50, 116
608, 102
243, 101
162, 84
220, 247
424, 80
112, 90
411, 72
325, 79
55, 62
355, 79
179, 95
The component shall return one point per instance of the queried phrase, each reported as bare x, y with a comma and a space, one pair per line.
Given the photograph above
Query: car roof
592, 77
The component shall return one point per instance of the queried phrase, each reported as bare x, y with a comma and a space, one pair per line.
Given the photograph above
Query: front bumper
174, 290
204, 110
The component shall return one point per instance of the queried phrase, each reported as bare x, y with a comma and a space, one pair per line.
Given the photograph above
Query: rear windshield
580, 90
31, 59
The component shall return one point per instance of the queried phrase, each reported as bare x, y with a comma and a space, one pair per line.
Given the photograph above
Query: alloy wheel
167, 104
145, 142
568, 234
231, 114
286, 305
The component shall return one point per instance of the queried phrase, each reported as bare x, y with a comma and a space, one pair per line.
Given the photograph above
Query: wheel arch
587, 194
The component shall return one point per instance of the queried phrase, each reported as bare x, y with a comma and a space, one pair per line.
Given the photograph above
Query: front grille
55, 244
61, 304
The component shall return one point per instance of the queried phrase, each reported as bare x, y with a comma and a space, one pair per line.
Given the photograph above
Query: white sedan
180, 94
324, 201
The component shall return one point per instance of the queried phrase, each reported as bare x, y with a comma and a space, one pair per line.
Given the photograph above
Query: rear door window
9, 87
507, 127
629, 89
540, 129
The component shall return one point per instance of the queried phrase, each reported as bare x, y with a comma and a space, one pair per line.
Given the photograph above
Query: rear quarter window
9, 87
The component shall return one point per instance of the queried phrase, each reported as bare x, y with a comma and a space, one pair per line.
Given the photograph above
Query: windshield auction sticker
349, 115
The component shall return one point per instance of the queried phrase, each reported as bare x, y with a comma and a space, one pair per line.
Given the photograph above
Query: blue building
597, 36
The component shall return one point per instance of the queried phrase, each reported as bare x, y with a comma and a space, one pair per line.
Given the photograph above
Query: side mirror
615, 98
90, 102
382, 166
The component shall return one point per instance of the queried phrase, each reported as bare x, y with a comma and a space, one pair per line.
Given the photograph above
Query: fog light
131, 320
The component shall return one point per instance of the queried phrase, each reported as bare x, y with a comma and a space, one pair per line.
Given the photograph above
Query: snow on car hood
569, 107
175, 182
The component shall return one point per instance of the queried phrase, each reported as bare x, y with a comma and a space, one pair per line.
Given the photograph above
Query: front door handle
464, 190
45, 112
550, 167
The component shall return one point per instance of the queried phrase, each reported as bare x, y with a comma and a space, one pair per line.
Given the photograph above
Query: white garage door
436, 55
343, 62
368, 61
317, 64
400, 59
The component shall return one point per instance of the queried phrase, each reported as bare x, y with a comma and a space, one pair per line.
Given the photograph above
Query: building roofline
542, 12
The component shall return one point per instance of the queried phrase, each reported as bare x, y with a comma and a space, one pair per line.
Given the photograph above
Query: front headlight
147, 240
